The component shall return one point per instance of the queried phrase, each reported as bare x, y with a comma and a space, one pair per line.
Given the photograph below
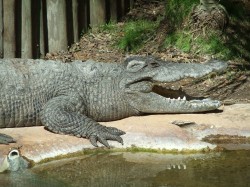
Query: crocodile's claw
104, 134
6, 139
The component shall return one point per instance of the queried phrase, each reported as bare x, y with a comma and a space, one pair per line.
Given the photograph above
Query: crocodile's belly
20, 111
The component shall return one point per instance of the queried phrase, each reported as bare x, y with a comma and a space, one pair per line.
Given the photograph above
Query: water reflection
148, 169
28, 179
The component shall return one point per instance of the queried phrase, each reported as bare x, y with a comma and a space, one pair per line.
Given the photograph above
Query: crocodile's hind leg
6, 139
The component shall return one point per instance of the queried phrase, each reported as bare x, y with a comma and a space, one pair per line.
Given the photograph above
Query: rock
147, 132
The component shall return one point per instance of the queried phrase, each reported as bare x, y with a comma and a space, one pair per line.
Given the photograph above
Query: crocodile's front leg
65, 115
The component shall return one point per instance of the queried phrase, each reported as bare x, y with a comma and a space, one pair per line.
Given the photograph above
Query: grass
178, 10
211, 45
132, 35
136, 33
215, 46
226, 46
108, 27
179, 40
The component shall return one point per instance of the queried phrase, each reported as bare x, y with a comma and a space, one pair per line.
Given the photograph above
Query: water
229, 169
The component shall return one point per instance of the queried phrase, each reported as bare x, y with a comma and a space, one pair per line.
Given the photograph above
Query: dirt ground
233, 86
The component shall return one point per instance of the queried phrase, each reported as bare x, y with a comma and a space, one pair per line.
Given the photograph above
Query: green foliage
233, 43
108, 27
178, 10
132, 35
179, 40
136, 33
215, 46
212, 44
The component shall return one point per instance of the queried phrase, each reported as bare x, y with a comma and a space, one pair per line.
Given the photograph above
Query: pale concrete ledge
152, 132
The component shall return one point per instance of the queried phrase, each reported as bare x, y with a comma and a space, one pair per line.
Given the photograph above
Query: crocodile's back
24, 89
19, 74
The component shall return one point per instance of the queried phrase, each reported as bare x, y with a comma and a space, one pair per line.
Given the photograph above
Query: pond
127, 169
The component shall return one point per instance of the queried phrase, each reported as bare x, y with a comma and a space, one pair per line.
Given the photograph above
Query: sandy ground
229, 128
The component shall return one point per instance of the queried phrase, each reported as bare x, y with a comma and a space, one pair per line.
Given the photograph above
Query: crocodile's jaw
154, 103
152, 97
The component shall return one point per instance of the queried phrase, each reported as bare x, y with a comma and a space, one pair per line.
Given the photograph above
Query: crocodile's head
143, 78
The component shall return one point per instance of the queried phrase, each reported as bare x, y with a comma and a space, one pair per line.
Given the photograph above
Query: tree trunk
209, 16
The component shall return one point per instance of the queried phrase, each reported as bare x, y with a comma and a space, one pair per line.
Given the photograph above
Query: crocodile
72, 98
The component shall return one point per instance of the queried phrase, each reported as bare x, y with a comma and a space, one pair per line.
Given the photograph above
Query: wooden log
75, 20
41, 36
44, 28
36, 18
83, 16
26, 31
1, 29
126, 6
57, 29
69, 22
131, 4
18, 28
9, 42
97, 12
120, 9
113, 10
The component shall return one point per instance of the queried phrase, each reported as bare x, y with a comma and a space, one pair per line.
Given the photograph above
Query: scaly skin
71, 98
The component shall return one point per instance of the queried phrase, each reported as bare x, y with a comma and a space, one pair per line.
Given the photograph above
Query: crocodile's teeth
184, 98
179, 98
184, 166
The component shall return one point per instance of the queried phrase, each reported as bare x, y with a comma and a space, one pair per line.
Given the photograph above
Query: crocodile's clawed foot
104, 134
6, 139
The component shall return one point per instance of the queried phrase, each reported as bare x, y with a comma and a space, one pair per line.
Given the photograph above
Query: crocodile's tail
6, 139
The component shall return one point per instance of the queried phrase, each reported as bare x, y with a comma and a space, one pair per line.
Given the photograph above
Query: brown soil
233, 86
